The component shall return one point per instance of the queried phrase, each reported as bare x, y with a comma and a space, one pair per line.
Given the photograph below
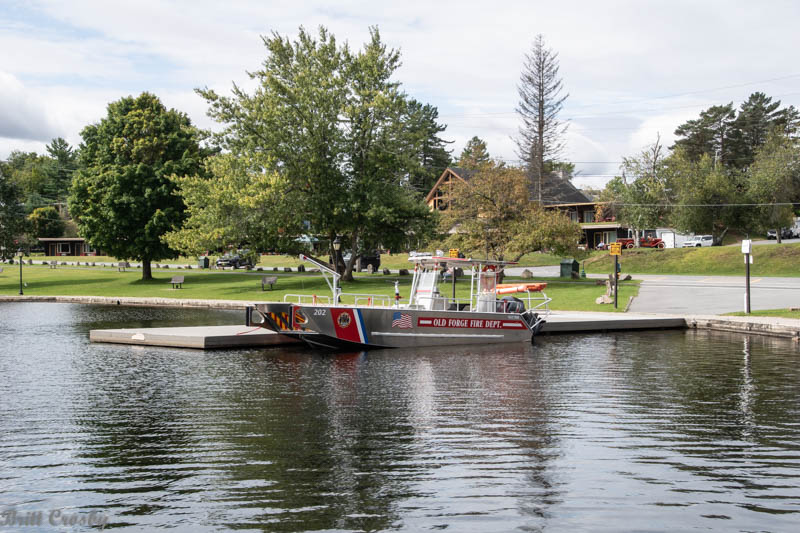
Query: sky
633, 70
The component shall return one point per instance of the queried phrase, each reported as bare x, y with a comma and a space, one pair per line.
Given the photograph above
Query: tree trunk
147, 273
778, 236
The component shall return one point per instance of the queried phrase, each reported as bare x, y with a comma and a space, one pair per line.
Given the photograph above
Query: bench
268, 280
177, 282
122, 265
53, 264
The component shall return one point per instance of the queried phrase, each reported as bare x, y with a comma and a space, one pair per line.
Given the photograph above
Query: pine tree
541, 137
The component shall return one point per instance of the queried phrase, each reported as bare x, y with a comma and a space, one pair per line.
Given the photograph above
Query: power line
705, 205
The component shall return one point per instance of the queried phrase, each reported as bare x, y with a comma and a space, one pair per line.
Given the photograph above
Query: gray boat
428, 318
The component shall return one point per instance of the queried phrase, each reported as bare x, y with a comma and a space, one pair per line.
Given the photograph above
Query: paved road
701, 294
713, 294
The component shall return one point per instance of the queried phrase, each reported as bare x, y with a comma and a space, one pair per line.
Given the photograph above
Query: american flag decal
401, 320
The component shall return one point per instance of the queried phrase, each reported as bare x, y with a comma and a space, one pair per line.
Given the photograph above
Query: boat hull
379, 327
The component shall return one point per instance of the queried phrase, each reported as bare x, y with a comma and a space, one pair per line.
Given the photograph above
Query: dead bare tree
541, 137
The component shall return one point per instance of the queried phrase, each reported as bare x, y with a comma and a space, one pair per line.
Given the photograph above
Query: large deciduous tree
12, 216
775, 183
492, 214
541, 137
333, 130
642, 190
122, 197
709, 198
45, 222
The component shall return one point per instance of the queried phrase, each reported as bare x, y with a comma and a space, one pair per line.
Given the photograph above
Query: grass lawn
575, 295
783, 313
768, 260
394, 261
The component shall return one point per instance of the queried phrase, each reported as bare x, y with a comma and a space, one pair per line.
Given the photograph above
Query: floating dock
202, 337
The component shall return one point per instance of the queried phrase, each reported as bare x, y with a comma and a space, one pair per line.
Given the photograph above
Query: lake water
655, 431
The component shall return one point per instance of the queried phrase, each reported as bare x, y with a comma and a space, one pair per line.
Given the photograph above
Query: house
557, 193
56, 246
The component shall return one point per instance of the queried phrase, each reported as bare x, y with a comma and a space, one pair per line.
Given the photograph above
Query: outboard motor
510, 304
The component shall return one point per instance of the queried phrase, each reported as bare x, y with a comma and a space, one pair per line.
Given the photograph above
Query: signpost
747, 245
615, 249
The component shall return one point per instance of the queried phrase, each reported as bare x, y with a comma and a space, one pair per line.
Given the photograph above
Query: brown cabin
66, 246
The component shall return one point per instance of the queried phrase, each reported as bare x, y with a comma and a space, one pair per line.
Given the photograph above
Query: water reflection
662, 430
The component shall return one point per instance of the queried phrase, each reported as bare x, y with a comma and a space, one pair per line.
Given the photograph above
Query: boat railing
374, 300
306, 298
542, 305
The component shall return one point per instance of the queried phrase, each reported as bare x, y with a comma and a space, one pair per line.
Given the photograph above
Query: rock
301, 268
274, 269
527, 274
386, 272
287, 269
627, 277
604, 299
403, 272
258, 269
370, 269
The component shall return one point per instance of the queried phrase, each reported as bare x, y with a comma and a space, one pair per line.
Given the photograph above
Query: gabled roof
464, 174
556, 190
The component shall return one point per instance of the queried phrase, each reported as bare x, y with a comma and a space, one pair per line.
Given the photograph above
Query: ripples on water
656, 431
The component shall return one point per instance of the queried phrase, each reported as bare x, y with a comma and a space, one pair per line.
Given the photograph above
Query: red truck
644, 242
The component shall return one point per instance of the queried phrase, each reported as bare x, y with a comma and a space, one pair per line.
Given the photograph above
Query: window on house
63, 248
573, 216
588, 216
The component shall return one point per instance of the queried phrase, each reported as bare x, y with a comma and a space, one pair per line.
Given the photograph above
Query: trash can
568, 266
202, 261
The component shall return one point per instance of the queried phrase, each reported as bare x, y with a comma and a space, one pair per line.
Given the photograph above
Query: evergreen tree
474, 155
64, 163
541, 137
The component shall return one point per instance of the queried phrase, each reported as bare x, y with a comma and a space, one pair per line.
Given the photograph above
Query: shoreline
754, 325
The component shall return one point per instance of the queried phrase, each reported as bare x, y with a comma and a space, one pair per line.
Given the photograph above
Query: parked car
786, 233
698, 240
235, 260
367, 258
644, 242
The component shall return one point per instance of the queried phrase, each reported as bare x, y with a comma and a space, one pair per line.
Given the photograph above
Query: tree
45, 222
775, 179
732, 139
122, 198
541, 137
709, 135
12, 216
64, 163
642, 190
425, 147
707, 197
474, 155
493, 214
332, 127
32, 173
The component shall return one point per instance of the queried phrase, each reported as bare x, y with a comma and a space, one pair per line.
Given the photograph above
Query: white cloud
22, 115
619, 61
